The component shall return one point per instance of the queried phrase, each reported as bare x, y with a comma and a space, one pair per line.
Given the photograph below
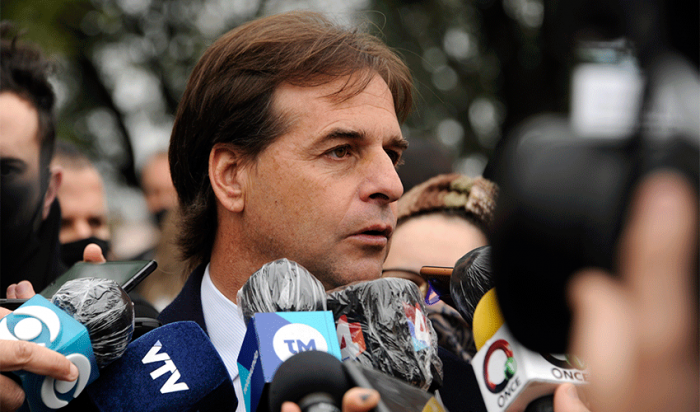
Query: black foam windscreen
312, 372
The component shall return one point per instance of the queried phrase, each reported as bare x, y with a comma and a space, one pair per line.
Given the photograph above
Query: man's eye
340, 151
395, 157
9, 167
96, 222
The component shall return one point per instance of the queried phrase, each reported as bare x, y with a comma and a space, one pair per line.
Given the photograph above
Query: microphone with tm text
89, 320
172, 368
284, 307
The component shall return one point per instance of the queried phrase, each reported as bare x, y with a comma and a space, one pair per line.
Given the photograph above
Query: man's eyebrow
395, 141
399, 142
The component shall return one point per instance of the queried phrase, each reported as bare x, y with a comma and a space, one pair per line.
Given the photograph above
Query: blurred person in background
160, 196
439, 221
31, 215
157, 187
84, 217
161, 286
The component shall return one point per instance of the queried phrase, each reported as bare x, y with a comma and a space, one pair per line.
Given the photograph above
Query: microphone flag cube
511, 376
272, 338
41, 322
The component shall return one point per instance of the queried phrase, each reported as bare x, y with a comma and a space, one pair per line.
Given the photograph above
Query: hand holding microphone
102, 305
20, 355
317, 381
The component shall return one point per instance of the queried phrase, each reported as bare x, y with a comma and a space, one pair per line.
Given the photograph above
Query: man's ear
52, 190
226, 173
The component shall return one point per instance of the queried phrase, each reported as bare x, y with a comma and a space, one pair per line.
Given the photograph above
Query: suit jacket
459, 392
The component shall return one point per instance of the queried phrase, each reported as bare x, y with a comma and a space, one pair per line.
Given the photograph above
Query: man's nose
82, 229
384, 184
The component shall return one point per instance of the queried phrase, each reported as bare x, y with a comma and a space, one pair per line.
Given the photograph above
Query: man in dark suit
285, 145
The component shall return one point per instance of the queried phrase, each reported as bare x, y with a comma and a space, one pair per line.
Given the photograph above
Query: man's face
324, 193
83, 208
19, 159
158, 186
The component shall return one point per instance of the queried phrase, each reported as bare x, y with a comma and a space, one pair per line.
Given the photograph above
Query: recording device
172, 368
471, 279
272, 338
565, 185
281, 286
511, 377
317, 381
88, 320
284, 307
105, 309
128, 274
42, 322
381, 324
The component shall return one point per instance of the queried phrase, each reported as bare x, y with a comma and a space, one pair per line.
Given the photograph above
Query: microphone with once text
284, 307
511, 377
382, 325
88, 320
172, 368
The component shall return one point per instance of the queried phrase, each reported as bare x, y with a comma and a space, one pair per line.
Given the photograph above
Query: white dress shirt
226, 330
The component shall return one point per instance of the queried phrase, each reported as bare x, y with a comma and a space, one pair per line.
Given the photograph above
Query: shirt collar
225, 323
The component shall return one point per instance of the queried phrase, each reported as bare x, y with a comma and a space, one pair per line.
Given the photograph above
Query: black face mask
72, 252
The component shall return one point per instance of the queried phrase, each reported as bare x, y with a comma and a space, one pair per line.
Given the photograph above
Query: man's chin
356, 273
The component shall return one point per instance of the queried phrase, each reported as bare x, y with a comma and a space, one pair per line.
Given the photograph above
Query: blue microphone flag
272, 338
41, 322
173, 367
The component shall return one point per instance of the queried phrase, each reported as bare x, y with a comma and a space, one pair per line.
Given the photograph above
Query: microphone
41, 322
299, 322
510, 376
171, 368
382, 325
471, 278
88, 320
317, 381
105, 309
281, 286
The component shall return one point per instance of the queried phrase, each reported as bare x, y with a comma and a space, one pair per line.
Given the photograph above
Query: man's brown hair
24, 71
229, 95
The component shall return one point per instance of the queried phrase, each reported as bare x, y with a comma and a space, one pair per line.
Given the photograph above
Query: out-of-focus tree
480, 66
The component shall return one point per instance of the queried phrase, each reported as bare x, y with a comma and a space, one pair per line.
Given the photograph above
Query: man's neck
226, 276
230, 265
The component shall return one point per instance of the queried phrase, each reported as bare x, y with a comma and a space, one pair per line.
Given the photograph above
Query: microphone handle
541, 404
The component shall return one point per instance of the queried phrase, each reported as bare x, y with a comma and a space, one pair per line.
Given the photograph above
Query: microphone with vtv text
172, 368
285, 310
